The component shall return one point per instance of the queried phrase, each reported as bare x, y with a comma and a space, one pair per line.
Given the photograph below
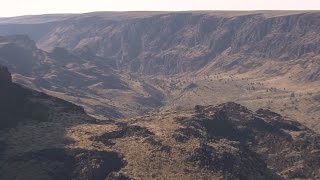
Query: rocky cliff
169, 43
5, 75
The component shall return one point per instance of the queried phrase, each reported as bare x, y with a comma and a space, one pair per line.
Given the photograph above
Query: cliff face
20, 54
21, 105
170, 43
285, 36
179, 42
5, 75
20, 40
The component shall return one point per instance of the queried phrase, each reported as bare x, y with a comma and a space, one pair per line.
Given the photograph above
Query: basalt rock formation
170, 43
227, 141
5, 76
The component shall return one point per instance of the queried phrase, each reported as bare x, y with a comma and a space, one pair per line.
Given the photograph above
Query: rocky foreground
47, 138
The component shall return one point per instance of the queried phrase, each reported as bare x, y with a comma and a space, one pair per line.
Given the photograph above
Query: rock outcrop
231, 133
5, 75
32, 142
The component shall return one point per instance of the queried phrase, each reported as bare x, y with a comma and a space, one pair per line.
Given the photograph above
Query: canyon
160, 95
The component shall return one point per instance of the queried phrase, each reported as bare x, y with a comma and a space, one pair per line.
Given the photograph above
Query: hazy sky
23, 7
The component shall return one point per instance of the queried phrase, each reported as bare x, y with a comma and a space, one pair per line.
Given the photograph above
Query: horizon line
120, 11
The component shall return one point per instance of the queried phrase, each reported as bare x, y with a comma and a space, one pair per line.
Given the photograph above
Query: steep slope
169, 43
80, 77
33, 144
165, 42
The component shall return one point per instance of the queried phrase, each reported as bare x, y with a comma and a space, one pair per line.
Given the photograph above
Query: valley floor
295, 100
